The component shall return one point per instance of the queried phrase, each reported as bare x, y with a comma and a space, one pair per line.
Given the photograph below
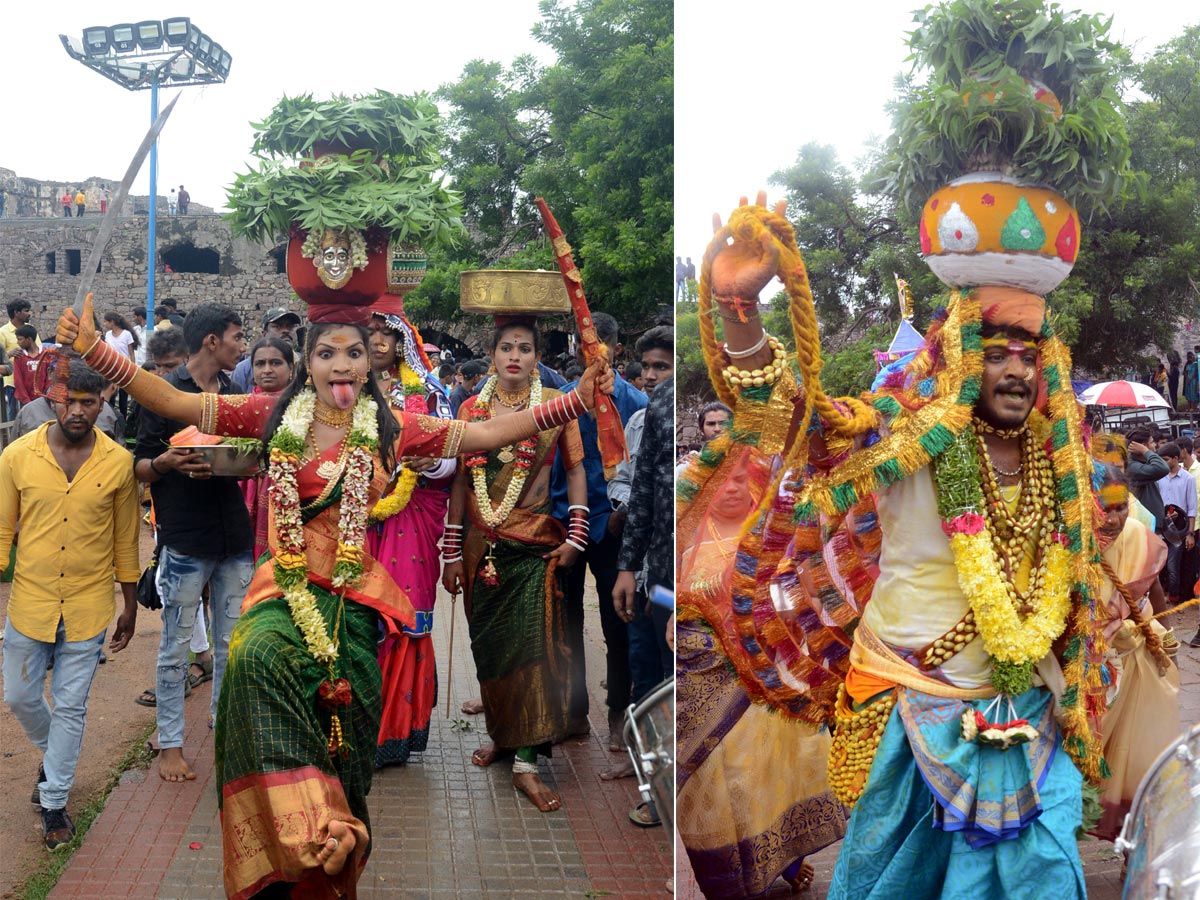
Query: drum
1161, 834
650, 739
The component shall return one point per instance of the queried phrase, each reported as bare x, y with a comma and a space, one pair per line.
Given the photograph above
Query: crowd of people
506, 502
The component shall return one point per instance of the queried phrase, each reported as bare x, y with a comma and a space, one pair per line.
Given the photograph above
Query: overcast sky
67, 122
751, 88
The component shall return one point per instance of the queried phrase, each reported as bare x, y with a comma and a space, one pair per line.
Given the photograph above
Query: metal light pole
143, 55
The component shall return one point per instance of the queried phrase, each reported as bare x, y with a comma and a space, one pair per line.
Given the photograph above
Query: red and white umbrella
1121, 393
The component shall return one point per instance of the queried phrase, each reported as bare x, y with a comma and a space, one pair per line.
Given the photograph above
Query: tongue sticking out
344, 394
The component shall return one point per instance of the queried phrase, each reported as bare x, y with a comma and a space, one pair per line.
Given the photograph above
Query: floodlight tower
140, 56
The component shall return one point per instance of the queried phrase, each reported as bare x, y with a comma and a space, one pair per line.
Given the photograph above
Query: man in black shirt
203, 528
473, 371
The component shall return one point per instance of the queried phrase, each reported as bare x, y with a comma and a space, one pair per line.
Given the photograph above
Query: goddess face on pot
334, 261
336, 253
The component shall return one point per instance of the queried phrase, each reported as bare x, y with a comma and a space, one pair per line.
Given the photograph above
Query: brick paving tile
1101, 863
443, 828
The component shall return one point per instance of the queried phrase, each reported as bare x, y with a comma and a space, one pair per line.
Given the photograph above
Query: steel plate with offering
229, 457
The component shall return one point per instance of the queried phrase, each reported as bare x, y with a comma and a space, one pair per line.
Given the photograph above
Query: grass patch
39, 884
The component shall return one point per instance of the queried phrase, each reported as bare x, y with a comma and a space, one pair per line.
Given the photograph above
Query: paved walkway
1101, 864
443, 828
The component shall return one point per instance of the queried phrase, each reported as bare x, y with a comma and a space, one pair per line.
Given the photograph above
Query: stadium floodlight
150, 34
144, 55
121, 37
176, 30
96, 40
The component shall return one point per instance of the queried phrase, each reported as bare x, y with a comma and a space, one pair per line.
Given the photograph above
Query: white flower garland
494, 517
291, 561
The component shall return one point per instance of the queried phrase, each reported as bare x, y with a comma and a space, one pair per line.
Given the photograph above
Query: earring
308, 381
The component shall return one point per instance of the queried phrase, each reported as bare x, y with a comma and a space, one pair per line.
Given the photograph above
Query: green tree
1138, 268
592, 133
610, 98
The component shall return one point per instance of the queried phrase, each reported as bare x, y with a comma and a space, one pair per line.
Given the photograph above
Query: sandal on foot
206, 672
641, 816
150, 698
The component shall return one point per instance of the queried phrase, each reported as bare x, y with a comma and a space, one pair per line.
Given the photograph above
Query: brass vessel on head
513, 292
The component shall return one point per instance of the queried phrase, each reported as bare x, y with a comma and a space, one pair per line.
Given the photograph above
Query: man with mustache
73, 492
903, 582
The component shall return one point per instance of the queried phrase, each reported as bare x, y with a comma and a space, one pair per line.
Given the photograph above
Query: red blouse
245, 415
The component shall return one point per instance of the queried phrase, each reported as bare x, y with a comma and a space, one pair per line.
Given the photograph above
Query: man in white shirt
1178, 490
139, 328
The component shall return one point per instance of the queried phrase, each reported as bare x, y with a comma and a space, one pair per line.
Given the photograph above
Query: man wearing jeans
203, 528
73, 493
600, 557
1178, 491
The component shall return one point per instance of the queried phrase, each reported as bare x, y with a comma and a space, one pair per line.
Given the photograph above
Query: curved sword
57, 392
88, 274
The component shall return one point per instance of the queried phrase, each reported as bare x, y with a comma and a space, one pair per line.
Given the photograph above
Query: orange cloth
862, 686
1012, 306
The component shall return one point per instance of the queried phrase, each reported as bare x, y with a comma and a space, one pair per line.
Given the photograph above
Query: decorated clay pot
406, 267
337, 282
986, 228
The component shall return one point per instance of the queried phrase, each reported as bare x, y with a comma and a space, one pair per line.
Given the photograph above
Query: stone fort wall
37, 257
40, 249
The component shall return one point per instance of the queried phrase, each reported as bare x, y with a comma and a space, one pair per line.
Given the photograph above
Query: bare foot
623, 769
173, 767
473, 707
803, 880
337, 847
536, 790
616, 733
485, 755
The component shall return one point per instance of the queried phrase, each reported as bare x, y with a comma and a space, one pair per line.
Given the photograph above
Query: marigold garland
1015, 645
414, 399
291, 560
526, 451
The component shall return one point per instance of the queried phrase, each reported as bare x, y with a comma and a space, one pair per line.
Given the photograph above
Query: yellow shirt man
74, 536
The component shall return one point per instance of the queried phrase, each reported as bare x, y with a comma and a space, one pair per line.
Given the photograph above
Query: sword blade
88, 274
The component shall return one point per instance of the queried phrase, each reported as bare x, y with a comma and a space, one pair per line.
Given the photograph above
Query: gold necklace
330, 469
512, 399
333, 416
1004, 433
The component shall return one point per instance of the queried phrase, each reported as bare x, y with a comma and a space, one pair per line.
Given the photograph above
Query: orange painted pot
986, 228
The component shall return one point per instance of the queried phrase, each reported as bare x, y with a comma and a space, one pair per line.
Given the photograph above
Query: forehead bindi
338, 342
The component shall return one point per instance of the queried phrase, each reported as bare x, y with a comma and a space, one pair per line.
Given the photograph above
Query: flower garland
526, 451
414, 400
1014, 644
291, 561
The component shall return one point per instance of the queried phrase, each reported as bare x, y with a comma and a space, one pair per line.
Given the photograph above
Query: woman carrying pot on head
272, 361
404, 534
300, 704
503, 549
